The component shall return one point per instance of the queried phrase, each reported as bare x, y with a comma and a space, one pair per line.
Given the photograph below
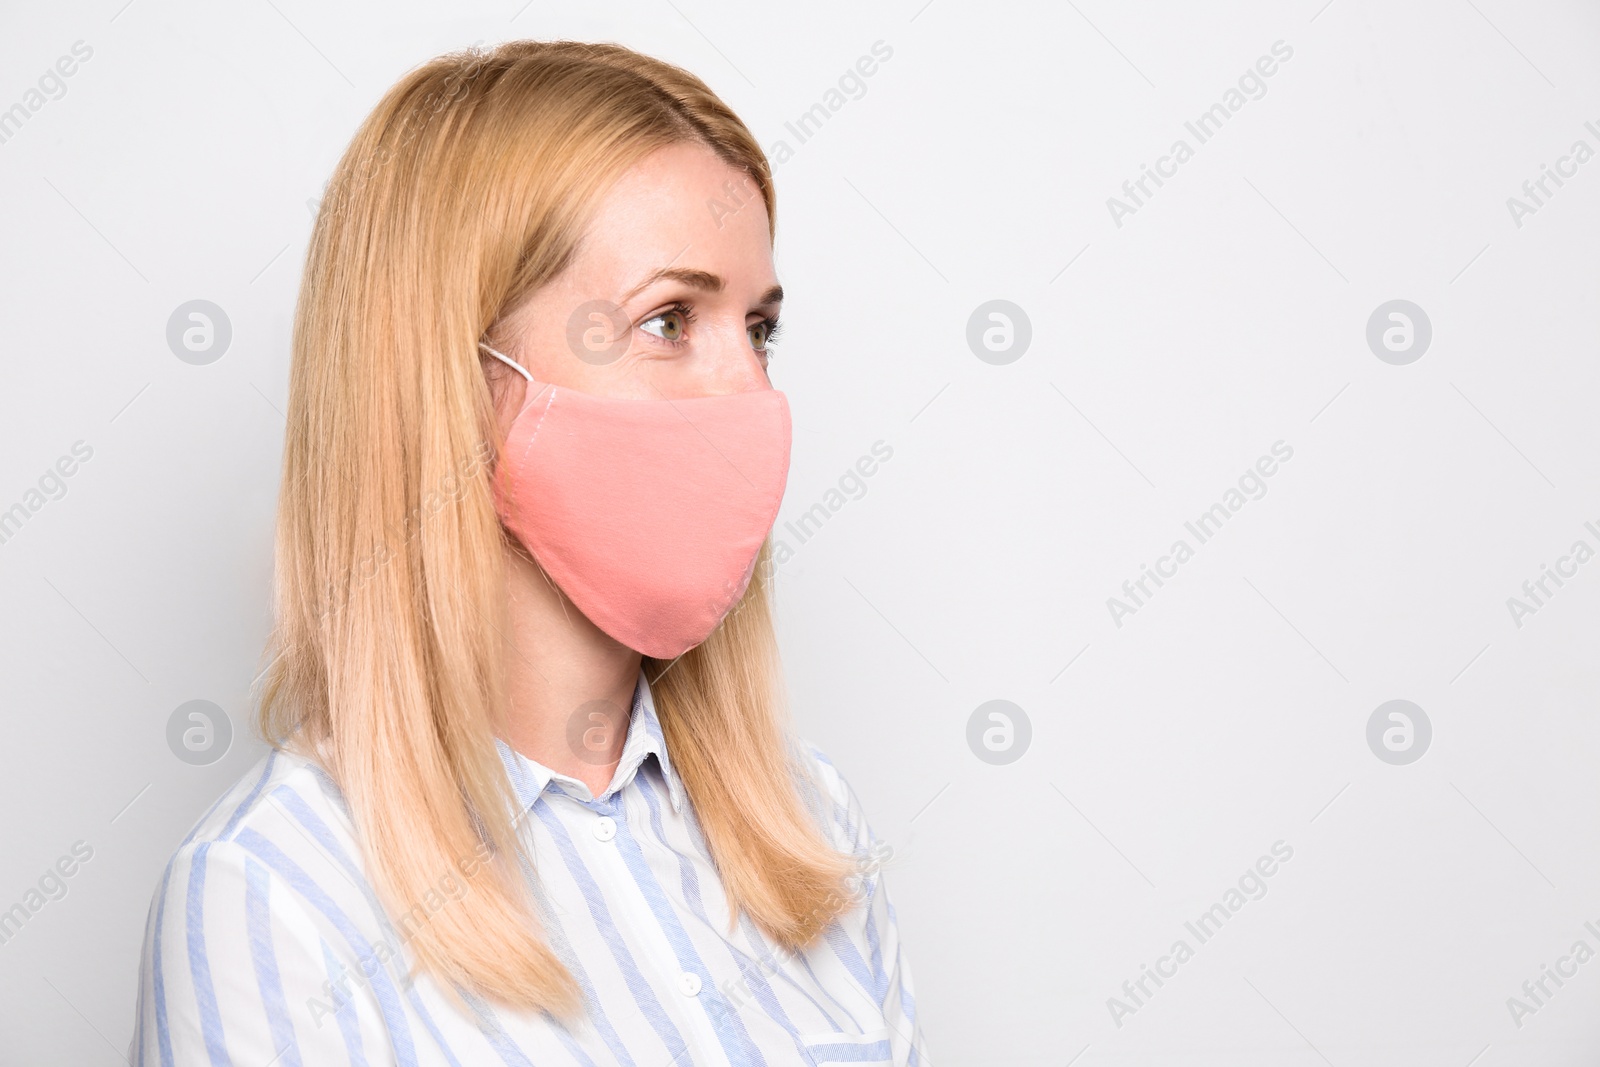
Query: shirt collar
530, 779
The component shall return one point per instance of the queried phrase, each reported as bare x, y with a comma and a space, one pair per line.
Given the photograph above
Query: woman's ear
507, 390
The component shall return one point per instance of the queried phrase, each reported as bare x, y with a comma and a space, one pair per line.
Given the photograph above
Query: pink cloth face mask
647, 514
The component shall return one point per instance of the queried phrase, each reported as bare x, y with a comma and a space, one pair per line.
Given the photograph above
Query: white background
1167, 354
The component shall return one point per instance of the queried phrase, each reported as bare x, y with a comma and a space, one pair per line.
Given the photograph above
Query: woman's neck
570, 684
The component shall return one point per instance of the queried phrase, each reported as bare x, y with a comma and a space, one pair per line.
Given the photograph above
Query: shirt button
605, 828
689, 984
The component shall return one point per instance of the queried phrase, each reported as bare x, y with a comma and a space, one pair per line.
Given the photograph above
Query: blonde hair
464, 191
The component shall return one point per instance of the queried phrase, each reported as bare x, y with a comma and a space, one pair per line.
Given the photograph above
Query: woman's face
671, 294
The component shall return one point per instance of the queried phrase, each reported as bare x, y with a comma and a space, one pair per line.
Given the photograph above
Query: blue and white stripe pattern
265, 944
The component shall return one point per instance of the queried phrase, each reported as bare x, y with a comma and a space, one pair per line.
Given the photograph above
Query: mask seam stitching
523, 459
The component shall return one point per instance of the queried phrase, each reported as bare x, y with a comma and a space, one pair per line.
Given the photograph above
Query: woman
531, 799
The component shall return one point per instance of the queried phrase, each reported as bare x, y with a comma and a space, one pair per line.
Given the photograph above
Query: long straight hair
465, 190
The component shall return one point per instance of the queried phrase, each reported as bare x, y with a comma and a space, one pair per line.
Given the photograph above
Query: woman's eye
763, 333
674, 323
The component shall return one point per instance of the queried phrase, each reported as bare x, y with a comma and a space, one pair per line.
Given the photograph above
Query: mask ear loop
519, 547
508, 361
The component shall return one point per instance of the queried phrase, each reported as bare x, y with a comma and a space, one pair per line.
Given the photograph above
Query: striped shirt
265, 942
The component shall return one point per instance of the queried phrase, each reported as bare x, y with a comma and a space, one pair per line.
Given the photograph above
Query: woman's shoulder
282, 804
281, 776
261, 901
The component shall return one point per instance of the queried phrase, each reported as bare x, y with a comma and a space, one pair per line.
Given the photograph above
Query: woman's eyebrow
697, 279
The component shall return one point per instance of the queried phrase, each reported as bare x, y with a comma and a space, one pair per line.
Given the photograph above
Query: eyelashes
770, 327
